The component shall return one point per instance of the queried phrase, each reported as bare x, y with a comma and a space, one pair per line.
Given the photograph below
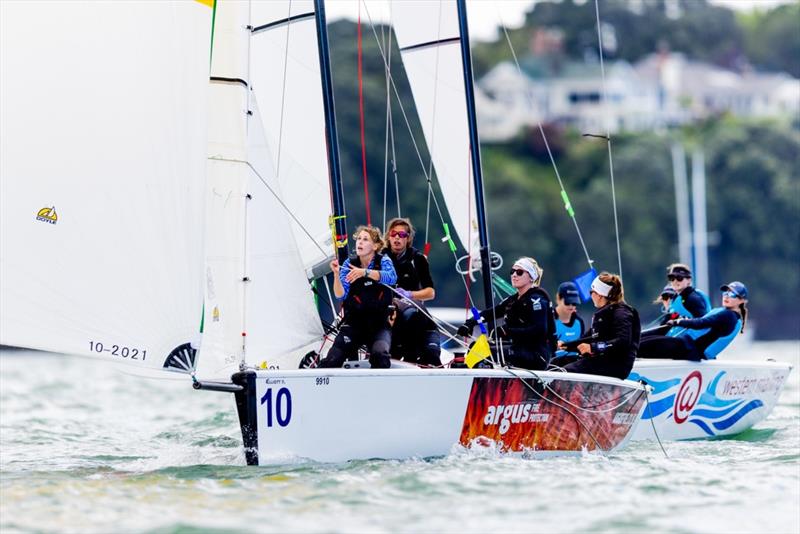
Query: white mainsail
259, 304
285, 78
102, 166
429, 40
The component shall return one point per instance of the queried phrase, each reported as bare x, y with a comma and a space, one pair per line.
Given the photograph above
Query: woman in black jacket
616, 331
528, 332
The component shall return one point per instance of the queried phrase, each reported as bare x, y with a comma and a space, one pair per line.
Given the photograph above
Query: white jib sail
285, 78
429, 40
102, 164
259, 304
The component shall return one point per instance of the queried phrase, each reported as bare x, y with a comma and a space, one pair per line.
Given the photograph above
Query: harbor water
86, 447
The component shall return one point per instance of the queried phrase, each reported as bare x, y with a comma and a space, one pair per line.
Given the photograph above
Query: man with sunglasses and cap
415, 337
528, 332
703, 337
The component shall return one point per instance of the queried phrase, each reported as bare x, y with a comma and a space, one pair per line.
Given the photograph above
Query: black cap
569, 293
680, 270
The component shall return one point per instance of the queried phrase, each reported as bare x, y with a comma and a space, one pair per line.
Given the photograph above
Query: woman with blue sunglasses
716, 330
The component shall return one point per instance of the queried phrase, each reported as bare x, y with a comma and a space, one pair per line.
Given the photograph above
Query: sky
485, 15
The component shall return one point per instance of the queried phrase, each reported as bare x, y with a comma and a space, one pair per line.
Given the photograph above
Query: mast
700, 227
475, 153
331, 137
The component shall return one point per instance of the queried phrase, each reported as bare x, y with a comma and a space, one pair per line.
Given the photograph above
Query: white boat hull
333, 415
706, 399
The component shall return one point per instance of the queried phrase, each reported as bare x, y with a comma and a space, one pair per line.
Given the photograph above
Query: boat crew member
415, 337
362, 283
659, 325
665, 298
569, 325
615, 332
528, 332
716, 330
689, 302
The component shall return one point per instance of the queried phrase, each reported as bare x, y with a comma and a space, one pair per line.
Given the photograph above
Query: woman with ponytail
713, 332
615, 332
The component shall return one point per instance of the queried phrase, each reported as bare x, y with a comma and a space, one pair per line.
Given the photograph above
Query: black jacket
413, 271
694, 302
528, 320
616, 331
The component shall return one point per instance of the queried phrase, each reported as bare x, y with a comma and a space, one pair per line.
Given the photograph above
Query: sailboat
689, 400
187, 233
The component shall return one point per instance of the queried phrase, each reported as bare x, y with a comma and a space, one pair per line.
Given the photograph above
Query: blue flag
584, 283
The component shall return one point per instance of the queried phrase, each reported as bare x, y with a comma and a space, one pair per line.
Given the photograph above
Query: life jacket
568, 332
678, 307
716, 346
367, 303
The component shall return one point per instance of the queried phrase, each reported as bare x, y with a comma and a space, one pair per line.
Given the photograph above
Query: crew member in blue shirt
569, 325
716, 330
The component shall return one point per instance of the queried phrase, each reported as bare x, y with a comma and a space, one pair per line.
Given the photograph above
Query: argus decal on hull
47, 215
527, 415
686, 402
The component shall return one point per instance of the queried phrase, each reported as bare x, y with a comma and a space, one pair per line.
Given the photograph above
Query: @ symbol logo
687, 396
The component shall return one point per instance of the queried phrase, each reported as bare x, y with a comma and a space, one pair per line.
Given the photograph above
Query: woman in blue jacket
705, 336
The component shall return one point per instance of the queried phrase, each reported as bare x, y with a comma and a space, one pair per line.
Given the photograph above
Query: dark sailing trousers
347, 342
522, 357
667, 347
418, 347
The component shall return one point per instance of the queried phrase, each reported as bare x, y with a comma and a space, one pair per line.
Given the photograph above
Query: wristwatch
366, 273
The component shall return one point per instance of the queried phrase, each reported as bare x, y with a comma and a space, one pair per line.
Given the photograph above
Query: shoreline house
662, 90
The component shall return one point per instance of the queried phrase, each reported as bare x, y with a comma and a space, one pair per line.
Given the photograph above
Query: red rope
361, 112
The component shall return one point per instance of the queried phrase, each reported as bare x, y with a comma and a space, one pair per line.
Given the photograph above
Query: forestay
429, 40
259, 305
103, 137
285, 78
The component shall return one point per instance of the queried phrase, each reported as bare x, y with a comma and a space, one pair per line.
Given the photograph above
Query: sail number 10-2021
118, 350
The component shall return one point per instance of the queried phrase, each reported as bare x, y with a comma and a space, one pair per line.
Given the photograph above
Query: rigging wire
608, 134
564, 197
283, 92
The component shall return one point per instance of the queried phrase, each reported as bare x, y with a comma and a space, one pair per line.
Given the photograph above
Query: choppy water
85, 448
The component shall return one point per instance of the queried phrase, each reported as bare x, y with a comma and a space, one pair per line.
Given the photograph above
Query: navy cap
680, 270
737, 288
569, 293
668, 292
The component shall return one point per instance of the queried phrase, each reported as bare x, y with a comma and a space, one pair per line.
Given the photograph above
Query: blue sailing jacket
720, 326
690, 303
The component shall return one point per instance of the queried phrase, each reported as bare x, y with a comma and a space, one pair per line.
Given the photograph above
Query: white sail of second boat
429, 40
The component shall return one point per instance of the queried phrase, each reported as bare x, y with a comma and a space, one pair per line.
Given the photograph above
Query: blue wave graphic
658, 407
710, 420
658, 387
713, 414
747, 408
703, 426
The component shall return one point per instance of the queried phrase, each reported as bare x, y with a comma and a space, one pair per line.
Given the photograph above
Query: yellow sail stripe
209, 3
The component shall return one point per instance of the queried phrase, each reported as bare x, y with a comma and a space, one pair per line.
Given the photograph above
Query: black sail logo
47, 215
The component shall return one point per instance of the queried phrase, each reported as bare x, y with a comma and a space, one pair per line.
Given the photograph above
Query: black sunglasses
677, 277
518, 272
